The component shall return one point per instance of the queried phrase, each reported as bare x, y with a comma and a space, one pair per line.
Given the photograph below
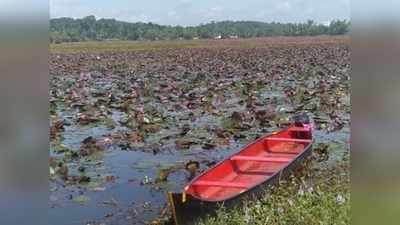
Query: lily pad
81, 199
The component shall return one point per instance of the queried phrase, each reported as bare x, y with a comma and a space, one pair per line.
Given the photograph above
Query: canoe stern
186, 209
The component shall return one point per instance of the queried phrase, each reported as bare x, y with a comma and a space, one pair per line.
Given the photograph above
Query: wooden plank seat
288, 140
221, 184
261, 159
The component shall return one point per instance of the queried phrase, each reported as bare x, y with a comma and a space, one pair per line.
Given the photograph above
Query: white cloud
310, 11
214, 13
172, 13
216, 9
283, 6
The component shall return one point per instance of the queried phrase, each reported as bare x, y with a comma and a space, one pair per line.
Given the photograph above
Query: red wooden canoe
256, 165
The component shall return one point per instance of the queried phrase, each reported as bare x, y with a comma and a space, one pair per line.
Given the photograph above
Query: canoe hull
188, 210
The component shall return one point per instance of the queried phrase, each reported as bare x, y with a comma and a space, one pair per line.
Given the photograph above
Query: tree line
91, 29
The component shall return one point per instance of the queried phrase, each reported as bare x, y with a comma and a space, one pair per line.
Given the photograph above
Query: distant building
218, 37
109, 39
195, 38
233, 36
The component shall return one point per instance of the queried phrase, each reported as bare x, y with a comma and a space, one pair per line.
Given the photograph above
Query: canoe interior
251, 166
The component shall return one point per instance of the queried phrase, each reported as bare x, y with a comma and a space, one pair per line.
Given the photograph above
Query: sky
194, 12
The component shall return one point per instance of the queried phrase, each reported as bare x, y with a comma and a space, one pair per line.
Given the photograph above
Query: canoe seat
288, 140
220, 184
261, 159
